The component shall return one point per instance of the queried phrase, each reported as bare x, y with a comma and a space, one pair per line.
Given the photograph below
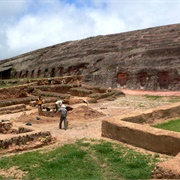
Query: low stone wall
18, 140
59, 88
130, 130
15, 101
150, 116
5, 127
145, 136
12, 109
153, 139
80, 91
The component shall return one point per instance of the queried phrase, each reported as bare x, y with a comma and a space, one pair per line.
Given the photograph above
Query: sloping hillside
143, 59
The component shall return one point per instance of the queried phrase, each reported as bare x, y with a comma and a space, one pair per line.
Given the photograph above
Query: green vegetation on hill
85, 159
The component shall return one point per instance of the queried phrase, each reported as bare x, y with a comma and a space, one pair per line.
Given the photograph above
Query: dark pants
56, 106
62, 118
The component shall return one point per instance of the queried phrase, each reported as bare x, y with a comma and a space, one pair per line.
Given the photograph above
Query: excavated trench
23, 98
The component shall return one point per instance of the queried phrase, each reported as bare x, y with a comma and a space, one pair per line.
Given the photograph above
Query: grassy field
173, 125
85, 159
172, 99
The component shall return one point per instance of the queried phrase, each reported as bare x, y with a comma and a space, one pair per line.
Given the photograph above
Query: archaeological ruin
142, 59
85, 72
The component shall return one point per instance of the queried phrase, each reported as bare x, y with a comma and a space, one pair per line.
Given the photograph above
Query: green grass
86, 159
153, 97
173, 125
174, 99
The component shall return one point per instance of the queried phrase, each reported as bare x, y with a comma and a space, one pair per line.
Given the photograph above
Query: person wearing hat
58, 104
63, 117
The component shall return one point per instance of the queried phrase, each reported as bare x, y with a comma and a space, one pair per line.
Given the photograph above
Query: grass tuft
173, 125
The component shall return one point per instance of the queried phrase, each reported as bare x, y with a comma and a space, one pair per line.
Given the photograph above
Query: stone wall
22, 136
13, 109
149, 116
160, 141
145, 136
25, 139
5, 126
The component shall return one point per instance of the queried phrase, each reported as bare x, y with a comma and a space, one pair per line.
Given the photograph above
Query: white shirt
58, 102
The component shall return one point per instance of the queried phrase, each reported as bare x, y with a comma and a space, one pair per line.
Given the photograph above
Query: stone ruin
17, 139
21, 138
19, 98
135, 130
143, 59
16, 99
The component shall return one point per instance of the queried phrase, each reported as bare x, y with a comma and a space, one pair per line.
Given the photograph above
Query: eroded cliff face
144, 59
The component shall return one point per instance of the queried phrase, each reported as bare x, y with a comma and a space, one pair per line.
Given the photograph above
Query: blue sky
28, 25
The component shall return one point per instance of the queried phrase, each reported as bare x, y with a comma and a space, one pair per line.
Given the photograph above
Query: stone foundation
156, 140
19, 140
145, 136
149, 116
21, 137
6, 128
129, 130
13, 109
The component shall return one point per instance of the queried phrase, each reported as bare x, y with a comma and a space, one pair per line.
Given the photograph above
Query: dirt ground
85, 120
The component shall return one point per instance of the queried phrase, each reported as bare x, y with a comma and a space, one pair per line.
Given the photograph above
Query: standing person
39, 103
63, 81
58, 104
63, 116
49, 81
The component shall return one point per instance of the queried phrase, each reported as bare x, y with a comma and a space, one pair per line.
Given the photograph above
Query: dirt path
152, 93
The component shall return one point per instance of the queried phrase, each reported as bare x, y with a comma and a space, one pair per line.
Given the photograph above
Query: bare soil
85, 120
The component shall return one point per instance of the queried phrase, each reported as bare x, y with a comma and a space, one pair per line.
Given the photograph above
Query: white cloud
10, 10
31, 24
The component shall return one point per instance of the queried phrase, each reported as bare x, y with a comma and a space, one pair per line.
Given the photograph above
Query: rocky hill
142, 59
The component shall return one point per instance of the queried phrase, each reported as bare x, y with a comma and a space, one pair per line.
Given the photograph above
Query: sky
27, 25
